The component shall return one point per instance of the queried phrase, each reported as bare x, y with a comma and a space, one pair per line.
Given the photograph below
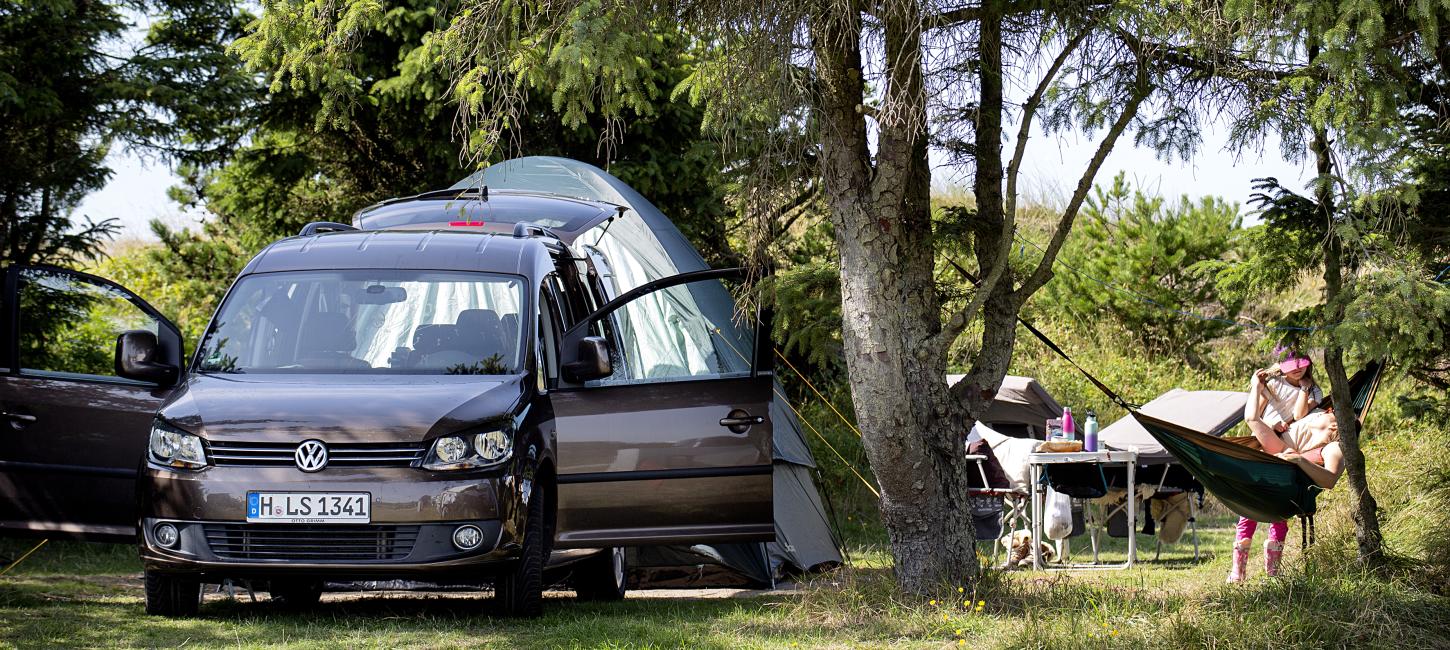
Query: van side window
685, 332
548, 335
568, 315
69, 324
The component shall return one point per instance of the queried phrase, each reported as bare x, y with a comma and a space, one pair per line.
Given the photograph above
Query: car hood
338, 408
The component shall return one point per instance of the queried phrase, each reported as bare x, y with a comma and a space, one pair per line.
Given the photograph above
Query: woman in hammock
1312, 443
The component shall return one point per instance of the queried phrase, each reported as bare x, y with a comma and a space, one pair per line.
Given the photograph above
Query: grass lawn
72, 594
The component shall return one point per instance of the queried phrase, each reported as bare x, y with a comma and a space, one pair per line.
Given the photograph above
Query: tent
1020, 408
1213, 412
639, 246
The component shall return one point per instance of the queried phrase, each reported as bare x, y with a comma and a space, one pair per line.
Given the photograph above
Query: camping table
1035, 463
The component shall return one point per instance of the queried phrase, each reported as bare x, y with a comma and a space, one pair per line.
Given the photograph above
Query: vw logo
311, 456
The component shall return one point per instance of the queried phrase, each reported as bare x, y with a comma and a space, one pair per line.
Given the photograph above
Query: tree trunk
912, 430
999, 311
1366, 511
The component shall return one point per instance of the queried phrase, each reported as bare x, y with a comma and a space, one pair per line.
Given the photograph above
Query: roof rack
319, 227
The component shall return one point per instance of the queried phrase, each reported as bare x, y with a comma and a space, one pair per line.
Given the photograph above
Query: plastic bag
1057, 515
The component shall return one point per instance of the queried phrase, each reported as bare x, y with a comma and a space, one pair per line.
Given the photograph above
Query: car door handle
739, 421
21, 417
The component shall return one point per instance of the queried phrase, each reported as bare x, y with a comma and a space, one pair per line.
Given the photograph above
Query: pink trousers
1277, 531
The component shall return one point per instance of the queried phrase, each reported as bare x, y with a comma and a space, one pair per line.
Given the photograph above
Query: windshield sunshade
368, 322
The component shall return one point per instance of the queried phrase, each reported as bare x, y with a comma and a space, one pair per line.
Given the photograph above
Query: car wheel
520, 591
601, 577
296, 594
170, 595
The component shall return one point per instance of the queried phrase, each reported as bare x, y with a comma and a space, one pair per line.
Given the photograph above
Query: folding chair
1010, 504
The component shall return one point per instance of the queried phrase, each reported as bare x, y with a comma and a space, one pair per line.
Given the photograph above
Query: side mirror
136, 353
592, 362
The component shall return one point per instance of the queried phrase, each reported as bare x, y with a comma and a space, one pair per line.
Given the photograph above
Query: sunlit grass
82, 595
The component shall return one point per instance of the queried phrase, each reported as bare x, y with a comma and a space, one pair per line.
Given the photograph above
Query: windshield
369, 322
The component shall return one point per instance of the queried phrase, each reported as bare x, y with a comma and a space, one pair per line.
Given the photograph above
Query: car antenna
622, 209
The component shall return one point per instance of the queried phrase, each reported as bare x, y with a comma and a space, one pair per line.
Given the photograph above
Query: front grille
342, 454
310, 543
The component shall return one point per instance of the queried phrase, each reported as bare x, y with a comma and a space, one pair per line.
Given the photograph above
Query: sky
136, 193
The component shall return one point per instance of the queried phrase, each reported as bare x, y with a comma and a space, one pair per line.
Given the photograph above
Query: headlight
450, 449
493, 446
173, 447
470, 452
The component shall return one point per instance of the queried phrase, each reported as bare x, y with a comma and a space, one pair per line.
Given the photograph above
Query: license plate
309, 507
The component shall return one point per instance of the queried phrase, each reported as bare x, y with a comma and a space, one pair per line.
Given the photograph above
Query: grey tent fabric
789, 441
567, 177
1209, 411
804, 542
1020, 408
644, 245
701, 565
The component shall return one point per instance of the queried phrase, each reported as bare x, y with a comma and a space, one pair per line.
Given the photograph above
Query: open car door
674, 445
73, 432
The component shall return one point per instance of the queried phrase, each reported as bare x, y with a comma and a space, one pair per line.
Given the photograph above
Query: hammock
1250, 482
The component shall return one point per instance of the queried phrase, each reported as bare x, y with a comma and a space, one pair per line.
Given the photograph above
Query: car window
549, 332
685, 332
69, 323
368, 322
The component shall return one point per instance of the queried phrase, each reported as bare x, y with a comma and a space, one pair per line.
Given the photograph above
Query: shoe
1239, 569
1273, 554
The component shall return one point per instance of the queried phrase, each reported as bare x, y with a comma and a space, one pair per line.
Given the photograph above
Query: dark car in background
457, 394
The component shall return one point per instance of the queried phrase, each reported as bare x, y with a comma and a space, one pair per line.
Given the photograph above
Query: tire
520, 592
172, 595
296, 594
602, 577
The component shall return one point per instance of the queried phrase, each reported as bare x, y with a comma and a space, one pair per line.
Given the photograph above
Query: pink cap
1294, 363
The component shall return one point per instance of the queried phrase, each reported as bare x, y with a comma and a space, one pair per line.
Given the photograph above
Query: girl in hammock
1312, 443
1278, 397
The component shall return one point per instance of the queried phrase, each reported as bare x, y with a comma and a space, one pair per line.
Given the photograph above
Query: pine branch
1043, 272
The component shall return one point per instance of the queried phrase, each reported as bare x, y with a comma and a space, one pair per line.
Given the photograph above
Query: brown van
457, 402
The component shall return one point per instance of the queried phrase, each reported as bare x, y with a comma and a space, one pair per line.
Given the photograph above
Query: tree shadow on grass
36, 613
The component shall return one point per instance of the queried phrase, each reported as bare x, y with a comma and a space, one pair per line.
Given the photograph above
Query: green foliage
808, 317
1393, 307
1135, 262
1411, 484
53, 128
378, 123
70, 87
181, 276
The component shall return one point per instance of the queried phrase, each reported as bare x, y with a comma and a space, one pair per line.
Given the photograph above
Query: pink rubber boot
1273, 553
1239, 569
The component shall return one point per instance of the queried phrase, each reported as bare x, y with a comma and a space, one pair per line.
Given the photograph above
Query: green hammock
1250, 482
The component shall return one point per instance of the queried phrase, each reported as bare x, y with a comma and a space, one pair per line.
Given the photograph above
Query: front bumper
217, 550
413, 516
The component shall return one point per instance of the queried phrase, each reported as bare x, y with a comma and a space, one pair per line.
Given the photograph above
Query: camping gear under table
1035, 463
